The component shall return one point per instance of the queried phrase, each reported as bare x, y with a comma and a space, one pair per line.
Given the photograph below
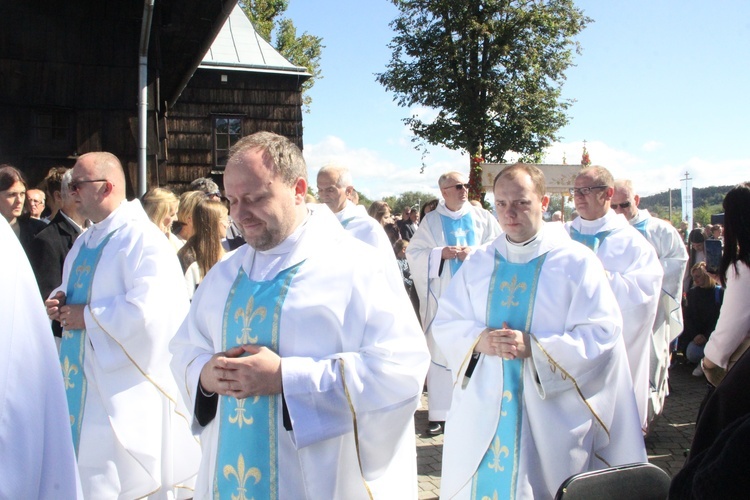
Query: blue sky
661, 89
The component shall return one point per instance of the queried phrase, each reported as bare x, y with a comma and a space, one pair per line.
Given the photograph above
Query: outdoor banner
687, 202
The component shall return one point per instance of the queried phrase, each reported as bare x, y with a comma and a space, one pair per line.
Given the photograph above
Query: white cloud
378, 177
651, 146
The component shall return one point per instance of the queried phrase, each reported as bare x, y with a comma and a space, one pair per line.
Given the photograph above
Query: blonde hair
158, 203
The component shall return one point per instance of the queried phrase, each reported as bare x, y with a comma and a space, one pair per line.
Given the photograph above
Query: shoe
435, 428
698, 371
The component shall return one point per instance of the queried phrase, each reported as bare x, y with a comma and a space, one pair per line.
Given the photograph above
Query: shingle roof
238, 47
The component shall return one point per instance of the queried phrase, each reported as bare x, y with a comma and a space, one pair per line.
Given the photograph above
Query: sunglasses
74, 186
459, 187
621, 205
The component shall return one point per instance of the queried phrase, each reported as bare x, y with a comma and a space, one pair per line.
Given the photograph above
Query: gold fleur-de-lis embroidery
507, 396
67, 334
242, 476
81, 271
512, 287
497, 452
68, 369
247, 316
494, 496
239, 417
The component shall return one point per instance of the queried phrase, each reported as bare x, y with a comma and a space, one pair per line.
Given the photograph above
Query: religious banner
687, 202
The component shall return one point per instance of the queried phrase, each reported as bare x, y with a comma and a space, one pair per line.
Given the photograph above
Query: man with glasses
121, 300
443, 240
530, 327
632, 268
35, 203
673, 258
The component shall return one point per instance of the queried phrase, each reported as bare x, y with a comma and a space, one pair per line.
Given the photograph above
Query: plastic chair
642, 481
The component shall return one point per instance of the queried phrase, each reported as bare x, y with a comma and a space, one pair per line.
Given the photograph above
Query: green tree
493, 70
303, 50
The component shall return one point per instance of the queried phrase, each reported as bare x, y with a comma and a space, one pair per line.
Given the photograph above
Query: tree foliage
303, 50
492, 69
408, 199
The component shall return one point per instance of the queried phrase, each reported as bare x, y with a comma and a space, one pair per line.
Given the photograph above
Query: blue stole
247, 455
590, 240
346, 222
73, 346
458, 232
511, 300
641, 226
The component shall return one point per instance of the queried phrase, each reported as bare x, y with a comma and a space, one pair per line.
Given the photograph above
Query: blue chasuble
641, 226
511, 300
73, 344
458, 232
590, 240
247, 456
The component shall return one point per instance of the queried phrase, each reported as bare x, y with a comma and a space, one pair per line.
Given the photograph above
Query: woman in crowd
381, 212
12, 201
697, 253
427, 208
718, 461
204, 249
183, 228
161, 206
732, 333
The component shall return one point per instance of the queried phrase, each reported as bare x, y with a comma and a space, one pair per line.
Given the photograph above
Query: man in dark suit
49, 247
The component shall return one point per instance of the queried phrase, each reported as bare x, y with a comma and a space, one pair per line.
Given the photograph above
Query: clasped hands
230, 373
69, 316
455, 252
504, 342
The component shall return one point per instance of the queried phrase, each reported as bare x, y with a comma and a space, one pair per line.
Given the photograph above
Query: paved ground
666, 445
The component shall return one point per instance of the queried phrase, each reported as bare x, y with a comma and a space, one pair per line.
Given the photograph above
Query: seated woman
161, 206
701, 313
204, 249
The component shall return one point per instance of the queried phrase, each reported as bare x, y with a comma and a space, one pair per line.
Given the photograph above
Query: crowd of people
256, 343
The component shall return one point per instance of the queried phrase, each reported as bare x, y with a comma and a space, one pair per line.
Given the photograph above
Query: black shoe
435, 428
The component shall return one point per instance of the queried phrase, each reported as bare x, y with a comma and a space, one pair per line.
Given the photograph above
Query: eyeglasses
584, 190
36, 202
74, 186
621, 205
458, 187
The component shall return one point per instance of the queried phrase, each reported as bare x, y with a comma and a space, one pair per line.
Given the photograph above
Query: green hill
706, 202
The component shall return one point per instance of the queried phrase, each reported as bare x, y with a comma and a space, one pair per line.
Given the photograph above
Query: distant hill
710, 196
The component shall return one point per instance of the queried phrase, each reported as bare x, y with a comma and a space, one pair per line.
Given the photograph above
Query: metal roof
238, 47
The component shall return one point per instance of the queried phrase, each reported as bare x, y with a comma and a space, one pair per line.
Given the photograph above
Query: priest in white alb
301, 363
37, 459
633, 271
673, 256
443, 240
532, 333
121, 300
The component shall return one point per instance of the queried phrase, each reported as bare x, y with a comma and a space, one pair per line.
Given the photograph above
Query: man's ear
637, 200
609, 192
545, 202
300, 189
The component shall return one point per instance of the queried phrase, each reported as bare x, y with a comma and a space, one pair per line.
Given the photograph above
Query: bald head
98, 185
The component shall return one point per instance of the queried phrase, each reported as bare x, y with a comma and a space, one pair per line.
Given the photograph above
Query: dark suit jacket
47, 255
28, 228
